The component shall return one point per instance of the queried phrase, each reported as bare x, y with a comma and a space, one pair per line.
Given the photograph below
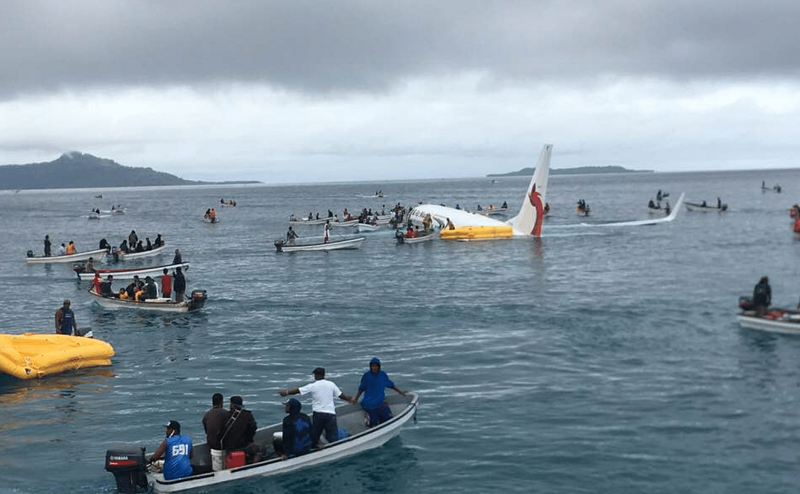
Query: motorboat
195, 302
128, 256
703, 207
338, 244
128, 274
775, 321
36, 355
425, 237
129, 466
78, 256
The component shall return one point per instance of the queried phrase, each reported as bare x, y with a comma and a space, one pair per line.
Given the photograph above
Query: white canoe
788, 323
347, 243
79, 256
306, 221
128, 274
416, 240
349, 417
692, 206
195, 302
366, 227
139, 255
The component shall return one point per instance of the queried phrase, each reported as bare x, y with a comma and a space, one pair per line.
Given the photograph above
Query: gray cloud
317, 46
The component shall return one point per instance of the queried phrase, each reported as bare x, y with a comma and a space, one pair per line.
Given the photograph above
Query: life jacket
70, 249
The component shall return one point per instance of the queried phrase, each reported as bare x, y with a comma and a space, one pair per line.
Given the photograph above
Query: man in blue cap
373, 383
177, 452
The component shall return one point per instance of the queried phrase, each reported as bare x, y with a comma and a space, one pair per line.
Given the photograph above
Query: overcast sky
331, 90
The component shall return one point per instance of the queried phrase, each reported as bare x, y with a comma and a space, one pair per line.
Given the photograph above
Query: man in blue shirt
65, 320
177, 452
373, 383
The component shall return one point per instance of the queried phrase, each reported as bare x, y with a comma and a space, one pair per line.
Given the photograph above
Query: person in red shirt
166, 284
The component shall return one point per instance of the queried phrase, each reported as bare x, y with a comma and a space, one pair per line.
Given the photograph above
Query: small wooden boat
344, 243
307, 221
129, 256
425, 237
366, 227
195, 302
693, 206
30, 355
128, 274
78, 256
128, 464
775, 321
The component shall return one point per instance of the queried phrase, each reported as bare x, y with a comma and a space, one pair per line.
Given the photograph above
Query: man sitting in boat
105, 287
158, 242
104, 245
295, 438
123, 294
62, 250
150, 290
134, 286
71, 248
239, 432
177, 452
65, 320
762, 296
504, 206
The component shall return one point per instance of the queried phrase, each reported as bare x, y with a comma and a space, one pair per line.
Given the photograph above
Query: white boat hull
158, 304
140, 255
789, 325
350, 243
80, 256
349, 417
128, 274
420, 239
690, 206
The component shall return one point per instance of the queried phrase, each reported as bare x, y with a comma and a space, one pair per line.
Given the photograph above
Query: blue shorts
378, 415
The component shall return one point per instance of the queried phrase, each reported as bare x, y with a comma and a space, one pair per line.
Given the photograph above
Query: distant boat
693, 206
346, 243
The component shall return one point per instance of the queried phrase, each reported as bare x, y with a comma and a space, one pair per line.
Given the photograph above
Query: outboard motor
30, 253
746, 303
278, 245
129, 467
198, 299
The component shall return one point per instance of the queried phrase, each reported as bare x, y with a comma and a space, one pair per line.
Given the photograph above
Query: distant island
74, 170
527, 172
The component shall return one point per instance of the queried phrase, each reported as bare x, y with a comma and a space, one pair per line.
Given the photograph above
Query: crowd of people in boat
171, 287
231, 432
134, 244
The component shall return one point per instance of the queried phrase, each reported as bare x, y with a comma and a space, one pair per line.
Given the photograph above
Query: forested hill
78, 170
570, 171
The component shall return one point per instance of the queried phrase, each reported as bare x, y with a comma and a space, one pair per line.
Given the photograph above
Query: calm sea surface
595, 359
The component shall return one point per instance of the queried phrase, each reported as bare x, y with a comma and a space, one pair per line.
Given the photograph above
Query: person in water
176, 449
65, 320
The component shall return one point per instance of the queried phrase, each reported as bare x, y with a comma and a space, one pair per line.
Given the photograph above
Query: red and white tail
531, 213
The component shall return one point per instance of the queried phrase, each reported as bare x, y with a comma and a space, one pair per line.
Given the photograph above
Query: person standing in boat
177, 259
213, 422
166, 284
65, 320
373, 384
133, 239
177, 452
323, 409
239, 431
47, 245
290, 236
179, 285
295, 437
327, 234
762, 296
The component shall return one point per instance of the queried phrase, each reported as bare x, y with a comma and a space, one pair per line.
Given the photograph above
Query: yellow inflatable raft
477, 232
34, 355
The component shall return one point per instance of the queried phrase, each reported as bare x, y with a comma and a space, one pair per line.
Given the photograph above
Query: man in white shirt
322, 393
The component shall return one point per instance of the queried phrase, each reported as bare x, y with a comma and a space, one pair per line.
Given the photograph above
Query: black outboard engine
278, 245
198, 299
30, 253
129, 467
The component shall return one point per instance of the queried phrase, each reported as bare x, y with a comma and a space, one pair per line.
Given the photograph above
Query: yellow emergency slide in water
477, 232
34, 355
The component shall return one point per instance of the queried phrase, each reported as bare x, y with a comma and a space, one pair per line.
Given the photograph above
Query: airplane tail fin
531, 213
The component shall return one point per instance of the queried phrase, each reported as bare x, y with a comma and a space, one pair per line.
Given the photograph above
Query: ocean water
594, 359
